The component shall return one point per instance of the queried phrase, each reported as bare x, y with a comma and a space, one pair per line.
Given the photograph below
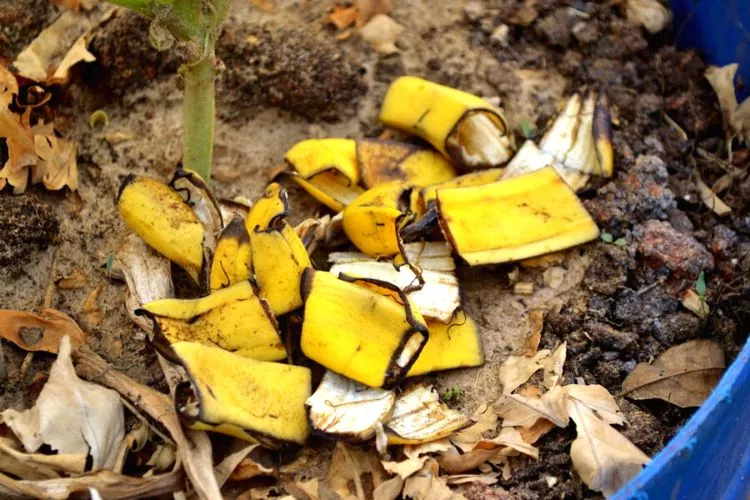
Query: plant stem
198, 116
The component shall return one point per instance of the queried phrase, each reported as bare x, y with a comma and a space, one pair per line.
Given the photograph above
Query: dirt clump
291, 69
662, 245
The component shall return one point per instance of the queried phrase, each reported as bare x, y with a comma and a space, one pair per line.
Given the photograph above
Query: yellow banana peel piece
242, 397
419, 417
313, 156
156, 213
457, 344
382, 161
329, 188
233, 318
373, 220
462, 126
480, 177
232, 260
279, 256
346, 409
365, 330
515, 219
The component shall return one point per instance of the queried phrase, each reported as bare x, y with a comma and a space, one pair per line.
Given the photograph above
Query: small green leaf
453, 395
621, 242
606, 237
700, 285
527, 129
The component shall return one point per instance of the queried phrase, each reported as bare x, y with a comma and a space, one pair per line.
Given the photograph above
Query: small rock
382, 32
723, 241
500, 35
554, 276
585, 32
681, 221
663, 245
609, 337
681, 327
556, 27
643, 309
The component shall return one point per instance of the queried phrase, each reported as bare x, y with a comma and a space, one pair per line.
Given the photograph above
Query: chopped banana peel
232, 318
199, 196
346, 409
313, 156
329, 188
462, 126
279, 256
366, 330
382, 161
158, 214
373, 221
437, 298
232, 259
245, 398
515, 219
419, 417
454, 345
480, 177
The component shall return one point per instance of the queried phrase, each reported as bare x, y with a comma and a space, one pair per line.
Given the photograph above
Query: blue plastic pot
709, 458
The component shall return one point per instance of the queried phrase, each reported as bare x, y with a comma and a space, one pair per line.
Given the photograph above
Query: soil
287, 79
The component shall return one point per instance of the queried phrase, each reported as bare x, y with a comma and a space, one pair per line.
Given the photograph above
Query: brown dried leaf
39, 332
695, 303
37, 465
348, 465
520, 411
711, 200
249, 468
382, 32
598, 399
389, 490
342, 17
539, 429
458, 463
650, 14
736, 117
416, 456
536, 323
367, 9
683, 375
510, 439
605, 459
19, 138
71, 416
486, 421
553, 366
77, 53
488, 478
516, 370
76, 280
57, 165
427, 485
8, 86
232, 462
90, 312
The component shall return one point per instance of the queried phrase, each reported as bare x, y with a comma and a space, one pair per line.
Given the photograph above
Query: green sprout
453, 395
527, 129
195, 25
700, 286
607, 237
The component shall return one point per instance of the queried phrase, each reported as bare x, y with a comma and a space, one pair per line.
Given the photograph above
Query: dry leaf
650, 14
554, 276
193, 447
486, 421
539, 429
389, 490
39, 332
342, 17
415, 458
57, 165
458, 463
368, 8
536, 323
736, 118
348, 465
553, 366
683, 375
249, 468
428, 486
71, 416
598, 399
235, 461
710, 199
77, 53
308, 490
605, 459
90, 312
510, 439
381, 32
19, 139
695, 303
37, 465
76, 280
489, 478
8, 86
516, 370
520, 411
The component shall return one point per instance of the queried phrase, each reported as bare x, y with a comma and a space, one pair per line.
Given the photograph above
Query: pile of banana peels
401, 217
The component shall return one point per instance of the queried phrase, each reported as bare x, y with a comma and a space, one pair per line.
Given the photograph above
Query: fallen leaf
8, 86
490, 478
516, 370
39, 332
695, 303
77, 279
77, 53
415, 458
342, 17
427, 485
303, 489
19, 139
381, 32
536, 324
366, 9
553, 366
90, 312
71, 416
710, 199
598, 399
605, 459
520, 411
736, 118
57, 165
650, 14
510, 439
348, 465
238, 462
485, 420
539, 429
458, 463
37, 465
683, 375
249, 468
389, 490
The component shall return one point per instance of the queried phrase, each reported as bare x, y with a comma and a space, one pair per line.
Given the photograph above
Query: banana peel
157, 213
419, 417
457, 344
462, 126
233, 318
514, 219
345, 409
366, 330
279, 256
329, 188
232, 260
382, 161
439, 295
480, 177
251, 400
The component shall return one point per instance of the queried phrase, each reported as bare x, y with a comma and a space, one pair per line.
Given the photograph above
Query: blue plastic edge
710, 456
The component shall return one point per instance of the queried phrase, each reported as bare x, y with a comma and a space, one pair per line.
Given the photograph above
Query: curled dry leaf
695, 303
416, 456
342, 17
711, 200
348, 465
57, 165
553, 366
71, 416
650, 14
90, 312
683, 375
76, 280
536, 323
19, 138
516, 370
485, 419
37, 465
598, 399
248, 468
520, 411
427, 485
511, 441
389, 490
39, 332
736, 118
458, 463
488, 478
381, 32
605, 459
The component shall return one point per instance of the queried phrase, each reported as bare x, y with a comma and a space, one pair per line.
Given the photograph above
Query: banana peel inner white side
419, 417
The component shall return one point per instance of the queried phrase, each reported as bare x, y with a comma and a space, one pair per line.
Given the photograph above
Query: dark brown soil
20, 23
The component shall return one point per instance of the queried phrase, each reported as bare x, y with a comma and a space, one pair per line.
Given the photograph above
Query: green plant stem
198, 116
183, 27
